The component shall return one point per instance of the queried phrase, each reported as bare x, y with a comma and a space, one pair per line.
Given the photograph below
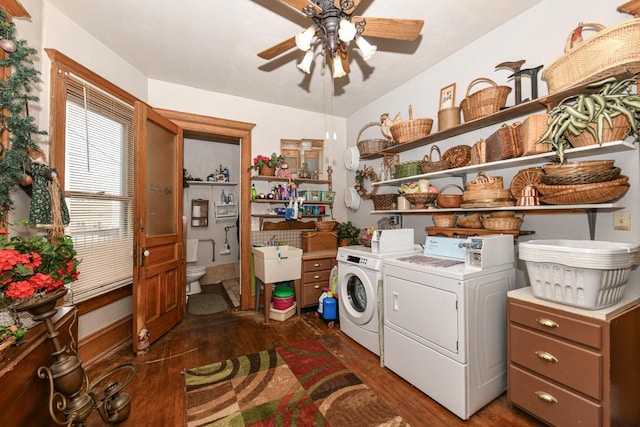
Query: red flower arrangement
33, 266
259, 161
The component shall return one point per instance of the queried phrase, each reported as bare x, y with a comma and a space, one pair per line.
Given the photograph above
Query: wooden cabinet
316, 269
574, 367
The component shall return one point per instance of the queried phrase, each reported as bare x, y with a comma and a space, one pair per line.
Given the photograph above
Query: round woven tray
524, 178
574, 168
420, 200
588, 196
558, 190
458, 156
582, 178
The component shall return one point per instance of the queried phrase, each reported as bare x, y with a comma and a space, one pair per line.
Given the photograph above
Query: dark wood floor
158, 388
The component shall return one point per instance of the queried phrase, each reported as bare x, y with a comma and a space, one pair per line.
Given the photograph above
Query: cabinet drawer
563, 408
311, 293
558, 360
317, 276
318, 264
552, 323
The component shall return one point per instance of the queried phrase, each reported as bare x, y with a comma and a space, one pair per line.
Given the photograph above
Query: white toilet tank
192, 250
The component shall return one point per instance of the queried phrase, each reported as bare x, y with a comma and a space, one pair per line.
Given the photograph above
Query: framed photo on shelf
448, 96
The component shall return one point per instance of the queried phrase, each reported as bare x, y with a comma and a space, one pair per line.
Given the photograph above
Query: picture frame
448, 96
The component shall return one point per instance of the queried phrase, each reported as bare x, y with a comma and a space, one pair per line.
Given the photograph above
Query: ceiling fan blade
391, 28
301, 4
278, 49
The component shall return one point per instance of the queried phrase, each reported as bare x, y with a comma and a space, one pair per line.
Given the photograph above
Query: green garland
15, 94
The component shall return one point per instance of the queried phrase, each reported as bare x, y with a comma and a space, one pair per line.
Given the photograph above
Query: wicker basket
618, 132
582, 178
470, 221
429, 165
485, 101
319, 240
479, 152
458, 156
502, 223
444, 220
611, 51
530, 132
574, 168
420, 200
504, 143
384, 202
484, 181
326, 225
587, 196
371, 146
486, 194
449, 200
411, 130
524, 178
557, 190
410, 168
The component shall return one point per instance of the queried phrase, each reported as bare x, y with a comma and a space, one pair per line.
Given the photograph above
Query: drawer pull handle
543, 395
547, 357
317, 264
316, 277
316, 287
547, 322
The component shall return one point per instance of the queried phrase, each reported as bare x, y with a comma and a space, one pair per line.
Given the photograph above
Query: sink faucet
274, 240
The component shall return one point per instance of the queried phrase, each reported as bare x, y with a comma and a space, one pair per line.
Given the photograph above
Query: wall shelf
212, 183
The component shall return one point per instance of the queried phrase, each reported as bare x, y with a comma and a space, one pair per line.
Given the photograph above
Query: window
98, 181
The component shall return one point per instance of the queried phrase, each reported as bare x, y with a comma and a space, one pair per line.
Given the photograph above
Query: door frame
208, 127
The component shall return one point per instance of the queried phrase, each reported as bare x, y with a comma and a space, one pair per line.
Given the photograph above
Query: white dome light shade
347, 30
366, 48
303, 38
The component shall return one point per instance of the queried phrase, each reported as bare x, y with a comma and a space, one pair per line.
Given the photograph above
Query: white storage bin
582, 273
282, 315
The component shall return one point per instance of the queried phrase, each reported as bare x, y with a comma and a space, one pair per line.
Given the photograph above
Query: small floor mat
206, 303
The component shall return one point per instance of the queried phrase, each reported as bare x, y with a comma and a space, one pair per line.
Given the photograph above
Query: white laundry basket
588, 274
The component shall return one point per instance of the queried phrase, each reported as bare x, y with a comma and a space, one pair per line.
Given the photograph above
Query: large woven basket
575, 168
411, 130
326, 225
371, 146
384, 202
485, 101
558, 190
502, 223
530, 132
618, 132
319, 240
581, 178
610, 51
429, 164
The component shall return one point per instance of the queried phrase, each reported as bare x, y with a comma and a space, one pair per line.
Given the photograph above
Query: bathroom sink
271, 267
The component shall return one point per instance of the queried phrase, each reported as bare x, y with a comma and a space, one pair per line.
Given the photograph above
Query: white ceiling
213, 44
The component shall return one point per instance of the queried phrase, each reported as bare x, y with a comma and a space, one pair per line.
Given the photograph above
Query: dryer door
358, 289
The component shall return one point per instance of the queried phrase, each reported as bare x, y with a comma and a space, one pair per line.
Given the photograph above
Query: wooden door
159, 283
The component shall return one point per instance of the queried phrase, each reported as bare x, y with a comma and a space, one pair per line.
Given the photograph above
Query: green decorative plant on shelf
347, 234
260, 161
596, 113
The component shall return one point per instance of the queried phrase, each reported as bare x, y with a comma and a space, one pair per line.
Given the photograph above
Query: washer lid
352, 158
352, 199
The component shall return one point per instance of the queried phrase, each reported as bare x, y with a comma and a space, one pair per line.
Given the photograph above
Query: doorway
212, 128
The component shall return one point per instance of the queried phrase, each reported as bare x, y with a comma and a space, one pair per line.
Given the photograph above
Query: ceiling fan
333, 27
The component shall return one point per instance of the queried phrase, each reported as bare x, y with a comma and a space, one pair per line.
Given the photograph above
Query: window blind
99, 187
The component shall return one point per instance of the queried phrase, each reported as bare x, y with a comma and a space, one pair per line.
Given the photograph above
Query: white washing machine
445, 319
359, 274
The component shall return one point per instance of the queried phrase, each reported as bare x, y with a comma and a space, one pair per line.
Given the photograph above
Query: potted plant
347, 234
266, 165
611, 113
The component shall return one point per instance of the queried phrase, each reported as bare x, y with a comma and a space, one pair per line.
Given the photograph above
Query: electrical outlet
394, 220
622, 220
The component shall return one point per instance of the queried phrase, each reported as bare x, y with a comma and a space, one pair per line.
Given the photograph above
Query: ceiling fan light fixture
303, 38
366, 48
338, 69
347, 30
305, 64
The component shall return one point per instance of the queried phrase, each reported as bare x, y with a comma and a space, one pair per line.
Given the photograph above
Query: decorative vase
267, 171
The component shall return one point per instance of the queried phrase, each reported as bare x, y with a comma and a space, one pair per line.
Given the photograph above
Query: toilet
194, 272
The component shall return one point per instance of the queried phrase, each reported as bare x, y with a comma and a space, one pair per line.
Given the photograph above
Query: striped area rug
302, 384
